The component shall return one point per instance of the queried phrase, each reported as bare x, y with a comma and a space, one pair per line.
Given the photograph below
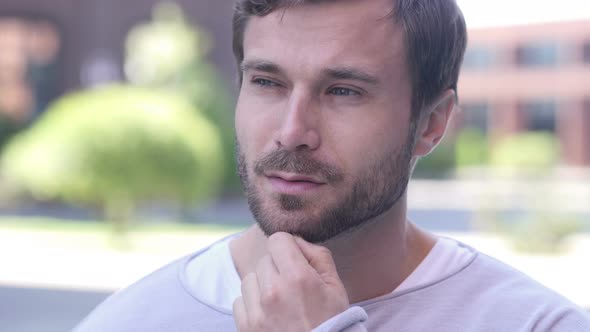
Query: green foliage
471, 148
8, 128
539, 232
158, 51
528, 151
168, 53
543, 227
438, 164
116, 146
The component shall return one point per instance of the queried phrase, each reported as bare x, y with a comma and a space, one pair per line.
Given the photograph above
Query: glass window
540, 114
478, 57
29, 51
542, 54
586, 52
475, 115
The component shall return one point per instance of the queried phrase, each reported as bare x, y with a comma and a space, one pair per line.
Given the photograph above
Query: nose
299, 130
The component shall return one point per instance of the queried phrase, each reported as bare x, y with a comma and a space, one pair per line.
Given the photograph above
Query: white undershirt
213, 278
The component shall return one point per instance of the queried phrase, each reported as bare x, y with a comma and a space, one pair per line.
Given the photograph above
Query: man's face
323, 117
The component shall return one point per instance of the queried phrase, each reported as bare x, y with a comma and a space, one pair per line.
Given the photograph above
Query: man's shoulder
157, 302
486, 294
496, 289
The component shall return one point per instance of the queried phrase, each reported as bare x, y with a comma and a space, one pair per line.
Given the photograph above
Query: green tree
437, 164
169, 53
542, 226
114, 147
471, 148
536, 152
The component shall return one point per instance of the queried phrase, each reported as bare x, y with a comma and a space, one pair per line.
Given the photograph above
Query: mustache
297, 162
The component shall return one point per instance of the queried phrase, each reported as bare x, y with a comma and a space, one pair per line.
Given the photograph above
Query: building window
539, 54
478, 57
539, 114
475, 115
29, 51
586, 52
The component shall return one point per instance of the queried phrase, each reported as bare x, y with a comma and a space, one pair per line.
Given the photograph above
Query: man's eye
264, 83
343, 92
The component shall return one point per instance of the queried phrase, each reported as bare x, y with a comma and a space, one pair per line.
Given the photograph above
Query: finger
251, 296
267, 273
286, 254
319, 257
240, 315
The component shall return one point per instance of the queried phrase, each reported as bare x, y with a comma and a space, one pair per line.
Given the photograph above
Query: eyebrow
260, 65
341, 73
346, 73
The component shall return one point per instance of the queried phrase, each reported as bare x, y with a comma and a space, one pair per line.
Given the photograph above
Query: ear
433, 123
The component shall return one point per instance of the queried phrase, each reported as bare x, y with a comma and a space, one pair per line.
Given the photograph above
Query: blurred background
116, 146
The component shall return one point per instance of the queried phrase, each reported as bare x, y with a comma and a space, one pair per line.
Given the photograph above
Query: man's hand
295, 288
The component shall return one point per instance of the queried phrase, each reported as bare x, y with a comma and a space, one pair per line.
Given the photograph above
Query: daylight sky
486, 13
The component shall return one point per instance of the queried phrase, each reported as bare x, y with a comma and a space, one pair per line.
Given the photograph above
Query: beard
374, 192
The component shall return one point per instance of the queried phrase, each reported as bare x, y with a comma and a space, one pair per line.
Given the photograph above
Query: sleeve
350, 320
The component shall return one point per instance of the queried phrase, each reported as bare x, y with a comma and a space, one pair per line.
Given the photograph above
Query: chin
295, 222
299, 224
298, 216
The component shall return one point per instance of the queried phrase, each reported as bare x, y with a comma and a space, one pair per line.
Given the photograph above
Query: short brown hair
434, 33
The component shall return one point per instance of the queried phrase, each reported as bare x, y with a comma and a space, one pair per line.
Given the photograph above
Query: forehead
308, 37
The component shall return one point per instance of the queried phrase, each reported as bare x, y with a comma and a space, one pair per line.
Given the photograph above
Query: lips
294, 178
293, 184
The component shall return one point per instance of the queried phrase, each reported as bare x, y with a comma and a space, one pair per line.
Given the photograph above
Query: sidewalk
566, 195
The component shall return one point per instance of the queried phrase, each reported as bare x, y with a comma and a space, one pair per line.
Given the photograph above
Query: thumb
320, 258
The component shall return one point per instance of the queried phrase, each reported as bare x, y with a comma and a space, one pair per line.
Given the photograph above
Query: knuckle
298, 280
239, 315
269, 296
324, 252
236, 303
257, 321
242, 326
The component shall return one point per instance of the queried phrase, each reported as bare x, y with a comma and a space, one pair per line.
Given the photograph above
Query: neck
371, 260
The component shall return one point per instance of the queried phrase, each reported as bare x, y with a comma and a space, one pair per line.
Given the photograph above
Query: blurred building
49, 47
530, 78
515, 78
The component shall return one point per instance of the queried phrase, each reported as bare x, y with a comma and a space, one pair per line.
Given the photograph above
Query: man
338, 100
